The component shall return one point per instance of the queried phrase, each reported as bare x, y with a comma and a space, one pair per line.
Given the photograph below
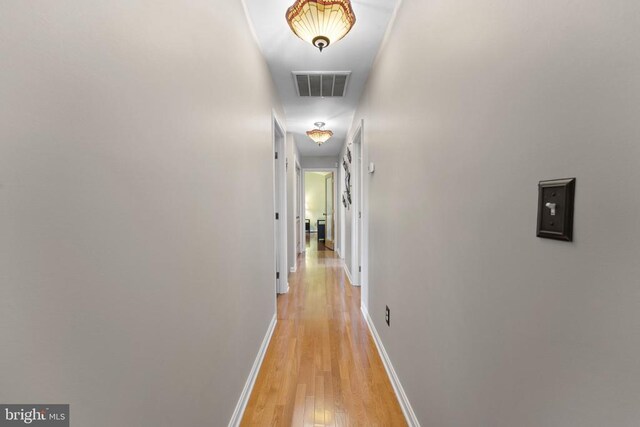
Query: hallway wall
135, 188
341, 224
470, 104
319, 162
348, 216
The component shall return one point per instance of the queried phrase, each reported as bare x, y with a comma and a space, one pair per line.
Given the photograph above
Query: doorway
360, 216
280, 212
329, 213
298, 207
353, 237
319, 206
357, 209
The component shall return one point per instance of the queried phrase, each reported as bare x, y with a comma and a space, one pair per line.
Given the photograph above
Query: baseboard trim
280, 292
346, 271
407, 410
236, 418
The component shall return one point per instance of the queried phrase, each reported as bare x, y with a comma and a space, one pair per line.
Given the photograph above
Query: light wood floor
322, 367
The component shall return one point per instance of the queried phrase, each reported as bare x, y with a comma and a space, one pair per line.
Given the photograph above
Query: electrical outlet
387, 316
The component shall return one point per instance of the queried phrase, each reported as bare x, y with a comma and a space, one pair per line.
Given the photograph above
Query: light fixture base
320, 42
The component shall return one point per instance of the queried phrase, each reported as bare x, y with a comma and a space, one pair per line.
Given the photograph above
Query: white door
329, 212
279, 208
357, 209
298, 230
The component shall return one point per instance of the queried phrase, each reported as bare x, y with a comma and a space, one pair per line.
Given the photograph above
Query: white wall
353, 260
340, 210
347, 217
318, 162
470, 104
135, 188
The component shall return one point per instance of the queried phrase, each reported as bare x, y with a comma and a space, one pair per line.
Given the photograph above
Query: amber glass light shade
321, 22
319, 135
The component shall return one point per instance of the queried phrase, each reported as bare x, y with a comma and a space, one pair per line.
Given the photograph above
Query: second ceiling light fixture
321, 22
319, 135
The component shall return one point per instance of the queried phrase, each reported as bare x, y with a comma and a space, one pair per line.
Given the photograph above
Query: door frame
360, 223
334, 220
304, 187
300, 209
280, 255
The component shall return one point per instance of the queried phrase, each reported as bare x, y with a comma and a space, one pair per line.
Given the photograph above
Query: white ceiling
286, 53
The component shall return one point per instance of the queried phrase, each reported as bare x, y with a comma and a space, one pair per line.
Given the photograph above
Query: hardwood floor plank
319, 402
329, 412
342, 419
322, 367
309, 411
297, 419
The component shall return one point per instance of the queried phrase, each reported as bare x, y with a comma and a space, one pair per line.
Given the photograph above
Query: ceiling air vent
321, 84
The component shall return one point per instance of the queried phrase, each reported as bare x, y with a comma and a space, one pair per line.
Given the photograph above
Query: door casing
335, 189
279, 202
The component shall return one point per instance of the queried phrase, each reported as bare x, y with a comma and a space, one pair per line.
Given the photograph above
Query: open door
280, 203
298, 215
329, 212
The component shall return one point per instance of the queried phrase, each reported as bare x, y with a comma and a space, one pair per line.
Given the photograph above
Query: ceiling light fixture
321, 22
319, 135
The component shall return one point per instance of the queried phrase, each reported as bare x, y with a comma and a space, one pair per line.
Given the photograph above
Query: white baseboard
280, 292
407, 410
346, 271
236, 418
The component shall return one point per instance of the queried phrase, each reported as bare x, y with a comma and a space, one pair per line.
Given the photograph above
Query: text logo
34, 415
